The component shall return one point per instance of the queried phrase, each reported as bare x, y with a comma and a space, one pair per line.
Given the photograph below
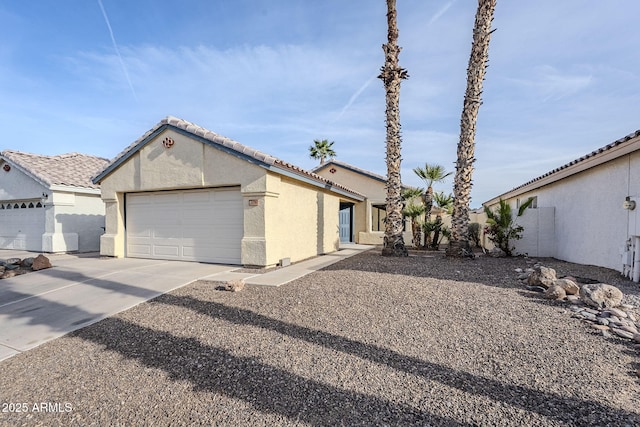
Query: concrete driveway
80, 290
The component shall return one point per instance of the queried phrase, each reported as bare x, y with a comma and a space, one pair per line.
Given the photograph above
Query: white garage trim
205, 225
21, 225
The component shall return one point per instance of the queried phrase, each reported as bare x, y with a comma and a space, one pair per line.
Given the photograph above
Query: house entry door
346, 221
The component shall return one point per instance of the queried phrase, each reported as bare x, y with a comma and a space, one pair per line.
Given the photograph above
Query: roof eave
603, 155
308, 180
74, 189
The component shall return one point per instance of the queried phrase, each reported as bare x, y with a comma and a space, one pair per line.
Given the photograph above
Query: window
378, 217
533, 205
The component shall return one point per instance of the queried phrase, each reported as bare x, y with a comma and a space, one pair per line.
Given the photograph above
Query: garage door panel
139, 250
22, 228
166, 251
195, 225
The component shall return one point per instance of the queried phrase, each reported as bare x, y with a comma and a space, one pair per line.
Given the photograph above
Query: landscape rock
40, 263
622, 333
636, 337
12, 273
574, 299
8, 274
496, 253
570, 287
27, 262
233, 286
12, 261
601, 295
542, 276
616, 312
555, 292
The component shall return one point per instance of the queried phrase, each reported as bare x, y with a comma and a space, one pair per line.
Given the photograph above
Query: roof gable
229, 146
614, 150
69, 170
351, 168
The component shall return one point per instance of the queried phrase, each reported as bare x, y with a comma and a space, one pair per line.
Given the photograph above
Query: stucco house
182, 192
585, 211
49, 203
363, 221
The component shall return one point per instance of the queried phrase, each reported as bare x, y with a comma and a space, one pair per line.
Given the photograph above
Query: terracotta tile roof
351, 167
71, 169
594, 154
229, 144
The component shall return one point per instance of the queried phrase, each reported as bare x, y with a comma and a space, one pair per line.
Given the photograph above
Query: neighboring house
49, 203
587, 210
181, 192
363, 221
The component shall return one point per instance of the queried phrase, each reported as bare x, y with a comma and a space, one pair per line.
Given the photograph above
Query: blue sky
92, 76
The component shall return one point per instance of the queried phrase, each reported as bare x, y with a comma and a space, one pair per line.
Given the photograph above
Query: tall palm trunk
392, 74
459, 241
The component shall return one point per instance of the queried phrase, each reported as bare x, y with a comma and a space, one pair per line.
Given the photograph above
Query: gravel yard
422, 340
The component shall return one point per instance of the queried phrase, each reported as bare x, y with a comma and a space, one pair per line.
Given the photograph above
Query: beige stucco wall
282, 216
303, 223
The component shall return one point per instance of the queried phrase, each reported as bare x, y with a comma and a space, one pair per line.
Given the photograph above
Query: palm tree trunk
417, 233
392, 74
428, 203
459, 241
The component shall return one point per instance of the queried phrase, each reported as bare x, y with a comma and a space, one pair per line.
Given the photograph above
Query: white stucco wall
538, 236
74, 222
15, 184
590, 225
71, 221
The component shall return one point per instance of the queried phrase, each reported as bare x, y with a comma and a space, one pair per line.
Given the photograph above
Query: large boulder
601, 295
570, 287
542, 276
40, 263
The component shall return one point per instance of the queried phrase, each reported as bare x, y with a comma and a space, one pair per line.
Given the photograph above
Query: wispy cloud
115, 46
550, 84
441, 12
355, 96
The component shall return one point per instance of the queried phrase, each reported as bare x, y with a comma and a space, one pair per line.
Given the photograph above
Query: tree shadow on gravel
267, 388
566, 409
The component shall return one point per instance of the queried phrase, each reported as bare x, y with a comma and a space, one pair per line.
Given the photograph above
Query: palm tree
502, 227
392, 74
413, 211
443, 201
459, 242
430, 174
321, 150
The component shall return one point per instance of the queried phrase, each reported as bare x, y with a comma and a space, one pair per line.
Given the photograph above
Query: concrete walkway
82, 289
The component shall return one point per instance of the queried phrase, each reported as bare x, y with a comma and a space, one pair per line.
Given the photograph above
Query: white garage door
21, 225
196, 225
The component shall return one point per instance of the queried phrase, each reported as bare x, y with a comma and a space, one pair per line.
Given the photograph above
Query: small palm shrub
501, 228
